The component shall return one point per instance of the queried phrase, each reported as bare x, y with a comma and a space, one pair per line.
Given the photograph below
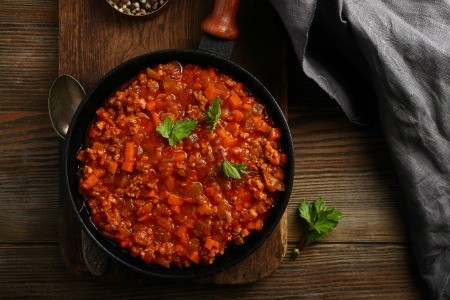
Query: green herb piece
318, 220
165, 128
177, 131
233, 171
230, 170
181, 129
213, 112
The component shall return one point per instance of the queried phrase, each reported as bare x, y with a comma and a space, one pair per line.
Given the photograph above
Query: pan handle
221, 22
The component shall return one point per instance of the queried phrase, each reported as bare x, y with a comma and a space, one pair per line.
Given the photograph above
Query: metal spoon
65, 95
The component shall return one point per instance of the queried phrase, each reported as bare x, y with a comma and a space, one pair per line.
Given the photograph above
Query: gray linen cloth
388, 62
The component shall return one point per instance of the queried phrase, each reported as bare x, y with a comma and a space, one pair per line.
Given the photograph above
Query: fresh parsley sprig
213, 112
177, 131
230, 170
317, 220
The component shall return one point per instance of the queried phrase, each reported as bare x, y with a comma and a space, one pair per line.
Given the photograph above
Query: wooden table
367, 256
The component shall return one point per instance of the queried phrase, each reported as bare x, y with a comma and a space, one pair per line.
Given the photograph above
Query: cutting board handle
221, 22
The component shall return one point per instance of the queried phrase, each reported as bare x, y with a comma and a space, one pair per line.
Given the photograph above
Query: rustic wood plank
347, 164
330, 271
28, 178
29, 48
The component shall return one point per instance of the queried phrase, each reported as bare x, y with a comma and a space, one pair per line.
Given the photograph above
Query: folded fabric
389, 62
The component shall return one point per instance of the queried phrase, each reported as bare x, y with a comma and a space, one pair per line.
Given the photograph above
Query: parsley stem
300, 247
222, 152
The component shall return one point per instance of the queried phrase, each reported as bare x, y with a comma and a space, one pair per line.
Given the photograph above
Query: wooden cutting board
93, 38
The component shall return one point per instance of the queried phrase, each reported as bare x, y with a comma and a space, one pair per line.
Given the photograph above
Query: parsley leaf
177, 131
233, 171
318, 220
165, 128
213, 112
181, 129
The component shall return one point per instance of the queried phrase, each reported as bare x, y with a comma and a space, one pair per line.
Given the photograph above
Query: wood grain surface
368, 256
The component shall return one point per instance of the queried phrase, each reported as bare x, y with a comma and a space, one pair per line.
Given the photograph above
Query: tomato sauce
173, 205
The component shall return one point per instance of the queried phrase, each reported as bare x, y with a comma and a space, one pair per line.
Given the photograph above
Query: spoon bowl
65, 95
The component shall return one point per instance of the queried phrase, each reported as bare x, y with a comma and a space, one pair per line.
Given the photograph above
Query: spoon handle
95, 259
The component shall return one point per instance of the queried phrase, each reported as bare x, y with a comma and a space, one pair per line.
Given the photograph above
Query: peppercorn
137, 7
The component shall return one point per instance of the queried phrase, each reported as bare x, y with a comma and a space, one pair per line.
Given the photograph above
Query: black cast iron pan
214, 51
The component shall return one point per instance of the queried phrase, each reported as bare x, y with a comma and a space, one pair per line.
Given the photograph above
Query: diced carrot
222, 133
102, 114
128, 166
174, 200
234, 101
112, 167
259, 224
209, 243
237, 115
120, 95
182, 230
194, 257
93, 133
203, 209
238, 87
180, 156
247, 106
90, 182
129, 152
176, 209
190, 223
99, 173
98, 146
151, 106
245, 232
260, 124
210, 93
171, 184
151, 194
156, 118
251, 225
229, 142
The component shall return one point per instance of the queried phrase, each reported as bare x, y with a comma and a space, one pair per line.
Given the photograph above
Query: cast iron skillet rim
287, 146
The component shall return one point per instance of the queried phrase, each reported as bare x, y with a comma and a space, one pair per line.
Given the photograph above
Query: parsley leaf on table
213, 112
177, 131
318, 220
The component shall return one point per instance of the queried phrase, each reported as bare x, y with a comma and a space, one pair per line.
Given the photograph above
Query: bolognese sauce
174, 205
